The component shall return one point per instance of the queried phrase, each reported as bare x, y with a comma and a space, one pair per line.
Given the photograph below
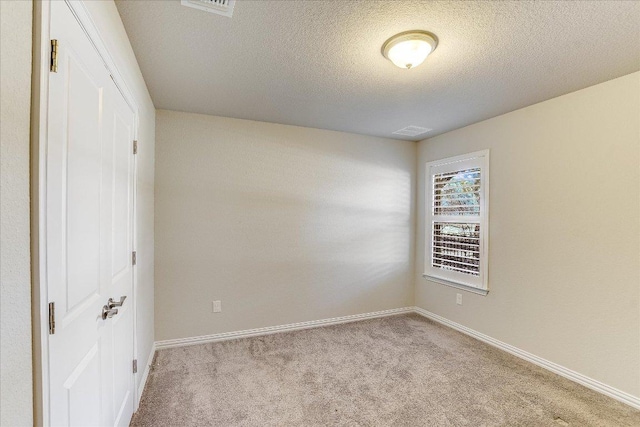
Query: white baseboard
620, 395
145, 374
276, 329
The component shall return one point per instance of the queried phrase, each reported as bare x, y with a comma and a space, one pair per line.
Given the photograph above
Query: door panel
75, 238
82, 152
84, 390
89, 234
122, 200
123, 395
122, 121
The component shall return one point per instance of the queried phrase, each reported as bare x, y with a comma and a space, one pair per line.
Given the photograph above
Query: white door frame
39, 114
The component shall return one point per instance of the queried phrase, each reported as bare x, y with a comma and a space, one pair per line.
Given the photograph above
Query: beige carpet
403, 370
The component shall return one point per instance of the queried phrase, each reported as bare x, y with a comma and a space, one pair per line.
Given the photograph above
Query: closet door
120, 120
89, 223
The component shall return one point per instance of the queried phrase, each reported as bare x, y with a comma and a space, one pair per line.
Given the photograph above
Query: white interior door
120, 120
89, 225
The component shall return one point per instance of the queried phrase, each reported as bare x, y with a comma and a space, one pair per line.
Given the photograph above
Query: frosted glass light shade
409, 49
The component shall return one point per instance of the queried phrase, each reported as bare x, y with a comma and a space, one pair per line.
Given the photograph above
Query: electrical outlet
217, 306
459, 299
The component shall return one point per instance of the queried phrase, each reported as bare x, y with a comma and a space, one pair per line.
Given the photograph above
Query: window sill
456, 285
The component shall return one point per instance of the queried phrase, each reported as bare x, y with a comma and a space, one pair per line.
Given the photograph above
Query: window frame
476, 284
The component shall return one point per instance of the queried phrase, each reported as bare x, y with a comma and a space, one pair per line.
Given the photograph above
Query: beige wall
564, 268
282, 224
15, 290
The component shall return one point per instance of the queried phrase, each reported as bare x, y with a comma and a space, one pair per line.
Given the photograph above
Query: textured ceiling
318, 63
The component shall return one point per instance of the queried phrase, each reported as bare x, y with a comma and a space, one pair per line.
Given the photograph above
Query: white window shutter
457, 221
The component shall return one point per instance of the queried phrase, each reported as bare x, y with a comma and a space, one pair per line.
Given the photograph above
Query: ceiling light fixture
409, 49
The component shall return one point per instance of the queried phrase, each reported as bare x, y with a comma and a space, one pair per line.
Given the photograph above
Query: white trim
39, 128
460, 286
180, 342
145, 375
457, 159
595, 385
137, 379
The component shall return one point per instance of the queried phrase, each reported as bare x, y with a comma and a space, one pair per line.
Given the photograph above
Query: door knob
111, 303
108, 313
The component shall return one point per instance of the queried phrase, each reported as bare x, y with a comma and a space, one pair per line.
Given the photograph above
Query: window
457, 226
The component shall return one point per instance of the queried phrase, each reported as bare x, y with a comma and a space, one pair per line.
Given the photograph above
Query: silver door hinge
53, 65
135, 147
52, 318
134, 258
135, 366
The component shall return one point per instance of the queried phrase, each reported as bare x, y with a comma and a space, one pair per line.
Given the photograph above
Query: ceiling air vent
221, 7
412, 131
